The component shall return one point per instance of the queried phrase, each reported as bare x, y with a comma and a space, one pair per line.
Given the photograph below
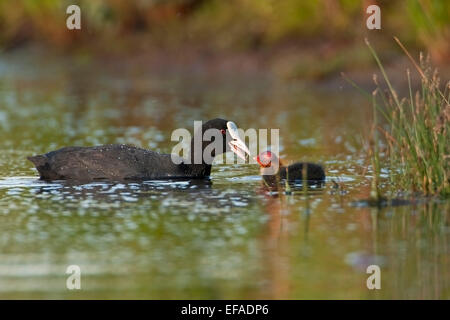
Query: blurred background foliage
330, 29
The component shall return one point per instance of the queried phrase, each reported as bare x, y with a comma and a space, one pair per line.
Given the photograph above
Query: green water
225, 238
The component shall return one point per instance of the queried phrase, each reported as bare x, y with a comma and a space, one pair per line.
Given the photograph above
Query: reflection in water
224, 238
410, 244
275, 246
109, 191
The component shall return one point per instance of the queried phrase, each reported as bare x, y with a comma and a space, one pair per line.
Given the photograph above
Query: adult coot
122, 162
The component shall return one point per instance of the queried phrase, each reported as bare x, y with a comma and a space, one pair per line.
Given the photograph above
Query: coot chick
118, 162
273, 170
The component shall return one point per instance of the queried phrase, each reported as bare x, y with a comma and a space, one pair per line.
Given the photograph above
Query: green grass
417, 132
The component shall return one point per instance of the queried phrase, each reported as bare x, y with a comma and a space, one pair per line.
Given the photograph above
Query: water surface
220, 239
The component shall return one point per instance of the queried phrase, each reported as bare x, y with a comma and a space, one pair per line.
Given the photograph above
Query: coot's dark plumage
123, 162
273, 170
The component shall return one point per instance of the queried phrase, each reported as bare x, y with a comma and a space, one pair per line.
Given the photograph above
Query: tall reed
418, 130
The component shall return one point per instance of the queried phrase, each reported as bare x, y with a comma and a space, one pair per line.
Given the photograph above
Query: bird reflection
275, 244
180, 193
277, 236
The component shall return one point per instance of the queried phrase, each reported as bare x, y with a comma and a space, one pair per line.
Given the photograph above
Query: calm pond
222, 239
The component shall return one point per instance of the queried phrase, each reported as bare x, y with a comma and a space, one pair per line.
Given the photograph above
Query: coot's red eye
223, 131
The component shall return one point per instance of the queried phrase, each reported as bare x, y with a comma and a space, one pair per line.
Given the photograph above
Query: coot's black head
218, 123
228, 131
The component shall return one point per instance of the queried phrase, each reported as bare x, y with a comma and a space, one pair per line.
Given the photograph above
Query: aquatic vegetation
417, 134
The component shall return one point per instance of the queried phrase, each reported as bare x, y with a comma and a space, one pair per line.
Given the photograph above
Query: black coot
122, 162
